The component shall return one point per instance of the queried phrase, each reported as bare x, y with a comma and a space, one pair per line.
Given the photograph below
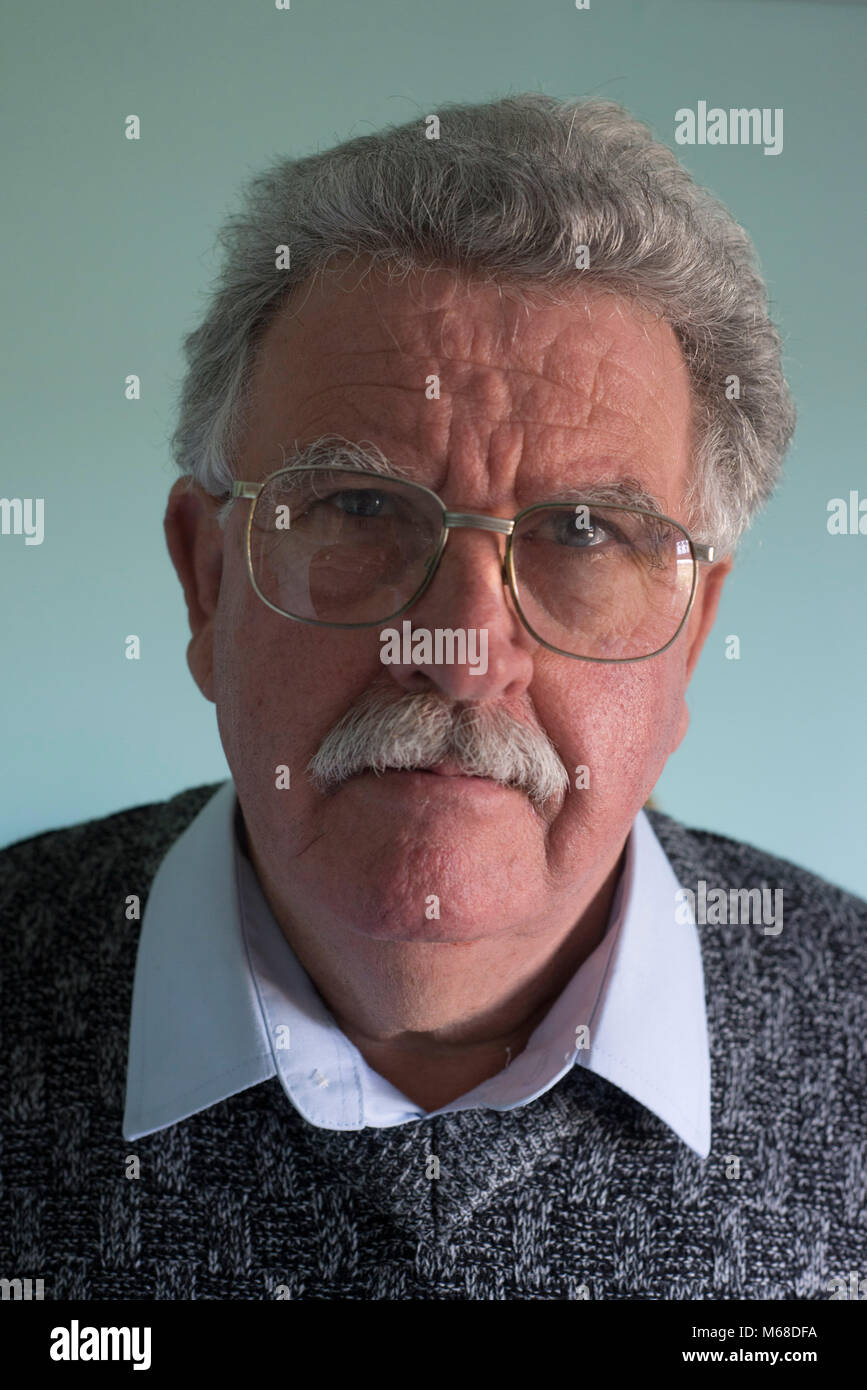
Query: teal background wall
109, 251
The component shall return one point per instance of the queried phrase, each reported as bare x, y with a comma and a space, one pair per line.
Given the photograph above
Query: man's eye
575, 532
359, 502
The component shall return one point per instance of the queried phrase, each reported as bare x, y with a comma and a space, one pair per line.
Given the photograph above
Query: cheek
280, 686
621, 723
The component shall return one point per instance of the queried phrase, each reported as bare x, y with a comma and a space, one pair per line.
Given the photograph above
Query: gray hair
384, 730
508, 194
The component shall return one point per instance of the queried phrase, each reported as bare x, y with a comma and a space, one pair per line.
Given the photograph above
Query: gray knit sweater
580, 1193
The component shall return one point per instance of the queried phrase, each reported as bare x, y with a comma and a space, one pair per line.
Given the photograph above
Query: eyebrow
333, 451
623, 492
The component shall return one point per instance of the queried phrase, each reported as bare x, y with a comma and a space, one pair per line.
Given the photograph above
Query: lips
443, 769
445, 772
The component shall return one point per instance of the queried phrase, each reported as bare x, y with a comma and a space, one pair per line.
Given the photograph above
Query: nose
483, 651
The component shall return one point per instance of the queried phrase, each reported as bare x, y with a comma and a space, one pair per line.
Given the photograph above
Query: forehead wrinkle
454, 319
458, 375
433, 437
583, 403
434, 442
486, 387
592, 361
634, 405
322, 452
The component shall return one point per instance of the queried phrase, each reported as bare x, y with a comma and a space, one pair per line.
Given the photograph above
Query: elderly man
425, 1004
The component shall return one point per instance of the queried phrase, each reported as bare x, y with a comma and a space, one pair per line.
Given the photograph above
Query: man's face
530, 404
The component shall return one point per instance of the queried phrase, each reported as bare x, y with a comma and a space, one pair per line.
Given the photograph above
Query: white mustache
419, 731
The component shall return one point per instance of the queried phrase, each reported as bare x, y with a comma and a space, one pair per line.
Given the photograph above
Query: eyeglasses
347, 548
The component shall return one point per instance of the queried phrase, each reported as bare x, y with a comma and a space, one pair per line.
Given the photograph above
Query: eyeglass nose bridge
479, 520
452, 521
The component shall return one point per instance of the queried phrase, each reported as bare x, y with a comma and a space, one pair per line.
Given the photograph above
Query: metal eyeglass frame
701, 554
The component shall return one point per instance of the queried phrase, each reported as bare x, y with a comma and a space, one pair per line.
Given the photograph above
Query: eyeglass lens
597, 581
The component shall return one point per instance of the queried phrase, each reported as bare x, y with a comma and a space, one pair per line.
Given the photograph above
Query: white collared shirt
221, 1003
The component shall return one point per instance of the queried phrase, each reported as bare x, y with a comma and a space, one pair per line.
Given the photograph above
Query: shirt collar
196, 1031
221, 1003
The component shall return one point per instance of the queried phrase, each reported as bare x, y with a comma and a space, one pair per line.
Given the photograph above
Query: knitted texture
580, 1193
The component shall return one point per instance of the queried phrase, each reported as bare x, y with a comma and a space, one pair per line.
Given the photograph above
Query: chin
409, 929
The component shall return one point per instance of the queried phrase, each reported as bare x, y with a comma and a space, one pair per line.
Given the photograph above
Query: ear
195, 543
703, 615
701, 620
